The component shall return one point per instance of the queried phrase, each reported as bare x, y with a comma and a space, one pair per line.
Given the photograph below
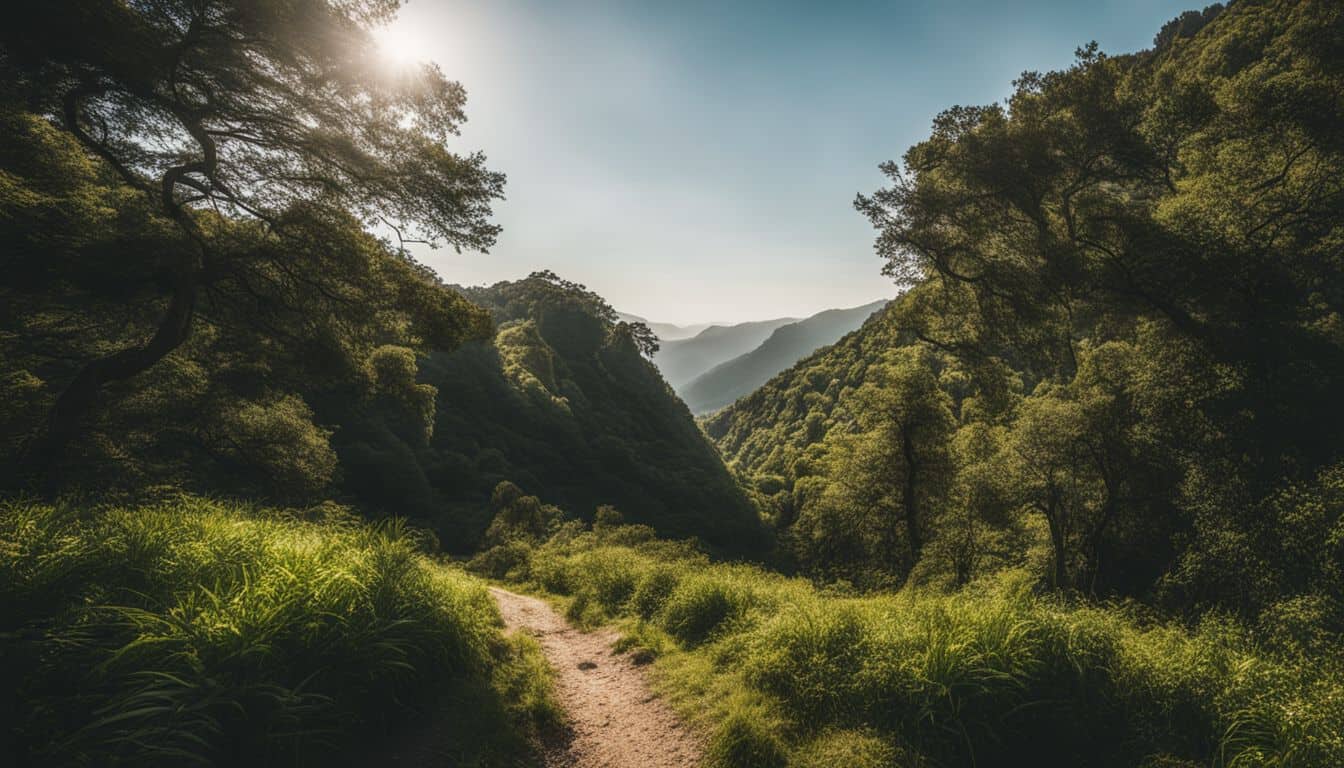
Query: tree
894, 473
278, 113
1186, 200
1046, 444
1074, 458
640, 335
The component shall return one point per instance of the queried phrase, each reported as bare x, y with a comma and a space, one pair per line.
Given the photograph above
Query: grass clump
699, 606
196, 631
745, 739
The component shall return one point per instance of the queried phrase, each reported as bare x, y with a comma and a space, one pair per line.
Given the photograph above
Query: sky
698, 161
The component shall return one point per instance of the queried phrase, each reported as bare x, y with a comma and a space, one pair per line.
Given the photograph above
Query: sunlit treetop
280, 112
252, 105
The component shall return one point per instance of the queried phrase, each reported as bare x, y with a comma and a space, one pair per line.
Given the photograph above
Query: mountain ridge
788, 344
682, 360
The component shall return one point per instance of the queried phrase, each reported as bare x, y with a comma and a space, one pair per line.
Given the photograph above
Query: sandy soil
616, 721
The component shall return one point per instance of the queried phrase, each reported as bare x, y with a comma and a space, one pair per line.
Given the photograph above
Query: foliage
322, 365
564, 405
192, 631
1125, 281
241, 132
301, 335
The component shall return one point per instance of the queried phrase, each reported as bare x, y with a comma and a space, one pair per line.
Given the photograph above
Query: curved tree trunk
67, 417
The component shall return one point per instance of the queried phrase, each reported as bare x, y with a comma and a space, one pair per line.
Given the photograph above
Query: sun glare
399, 45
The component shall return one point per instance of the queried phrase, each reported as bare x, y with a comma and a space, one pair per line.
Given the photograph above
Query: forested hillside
321, 363
766, 433
1119, 349
564, 404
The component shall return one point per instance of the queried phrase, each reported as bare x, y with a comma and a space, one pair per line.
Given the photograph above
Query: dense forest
1120, 338
1074, 497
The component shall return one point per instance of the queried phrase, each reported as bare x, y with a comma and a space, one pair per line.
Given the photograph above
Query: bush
611, 578
852, 749
653, 590
509, 560
743, 740
698, 606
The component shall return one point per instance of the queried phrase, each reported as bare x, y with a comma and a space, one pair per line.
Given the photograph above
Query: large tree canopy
280, 113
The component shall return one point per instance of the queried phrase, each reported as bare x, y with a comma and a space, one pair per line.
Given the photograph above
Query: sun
400, 45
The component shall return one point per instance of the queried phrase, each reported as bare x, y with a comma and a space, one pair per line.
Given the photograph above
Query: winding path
615, 719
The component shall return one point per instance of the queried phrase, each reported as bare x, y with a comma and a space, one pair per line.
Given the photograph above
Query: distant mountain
666, 331
684, 359
786, 345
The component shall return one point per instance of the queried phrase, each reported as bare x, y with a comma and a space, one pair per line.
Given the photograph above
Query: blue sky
696, 161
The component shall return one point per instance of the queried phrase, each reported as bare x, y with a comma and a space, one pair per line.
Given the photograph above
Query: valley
282, 483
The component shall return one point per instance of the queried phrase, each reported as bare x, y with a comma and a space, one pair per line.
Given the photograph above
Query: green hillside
564, 404
1117, 352
765, 433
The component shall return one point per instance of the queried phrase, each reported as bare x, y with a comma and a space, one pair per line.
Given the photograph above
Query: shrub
852, 749
509, 560
744, 740
699, 605
610, 575
552, 573
810, 658
607, 516
652, 591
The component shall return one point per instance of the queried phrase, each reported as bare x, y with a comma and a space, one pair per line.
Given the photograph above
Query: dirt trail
616, 720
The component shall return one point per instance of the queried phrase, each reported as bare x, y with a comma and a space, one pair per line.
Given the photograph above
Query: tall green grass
994, 675
199, 632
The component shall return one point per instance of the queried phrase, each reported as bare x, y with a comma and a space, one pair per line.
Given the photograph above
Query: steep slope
765, 433
681, 361
728, 381
561, 403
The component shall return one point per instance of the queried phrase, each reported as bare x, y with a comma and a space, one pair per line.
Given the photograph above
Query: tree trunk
1092, 567
1060, 577
910, 499
68, 415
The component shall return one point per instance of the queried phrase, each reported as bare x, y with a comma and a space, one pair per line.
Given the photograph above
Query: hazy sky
696, 161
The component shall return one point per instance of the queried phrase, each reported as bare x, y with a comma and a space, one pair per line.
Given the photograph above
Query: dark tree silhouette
248, 109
